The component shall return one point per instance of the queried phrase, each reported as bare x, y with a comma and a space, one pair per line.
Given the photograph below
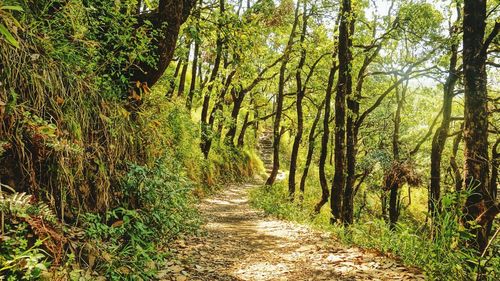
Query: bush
164, 197
157, 206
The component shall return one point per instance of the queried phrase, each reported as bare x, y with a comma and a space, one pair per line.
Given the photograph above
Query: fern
16, 203
21, 205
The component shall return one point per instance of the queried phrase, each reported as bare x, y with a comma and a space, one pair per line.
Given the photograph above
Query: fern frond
16, 203
21, 205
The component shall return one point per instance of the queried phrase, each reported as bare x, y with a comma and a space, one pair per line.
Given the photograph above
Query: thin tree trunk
205, 132
192, 86
495, 161
241, 137
344, 88
383, 204
392, 180
238, 98
194, 66
182, 82
218, 107
172, 82
231, 133
441, 134
351, 152
279, 101
453, 161
325, 191
310, 151
300, 115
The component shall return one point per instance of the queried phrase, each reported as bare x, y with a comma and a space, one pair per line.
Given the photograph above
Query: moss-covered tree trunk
476, 171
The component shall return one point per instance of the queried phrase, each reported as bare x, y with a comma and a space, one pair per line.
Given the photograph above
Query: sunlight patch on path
261, 271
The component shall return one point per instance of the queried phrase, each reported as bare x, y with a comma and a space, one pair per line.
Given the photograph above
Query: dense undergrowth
95, 178
434, 249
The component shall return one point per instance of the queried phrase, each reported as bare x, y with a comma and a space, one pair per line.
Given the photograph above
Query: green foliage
157, 206
20, 257
125, 249
164, 196
274, 200
420, 21
21, 205
123, 43
8, 23
228, 164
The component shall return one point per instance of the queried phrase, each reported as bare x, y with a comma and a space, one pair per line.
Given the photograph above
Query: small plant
164, 197
20, 258
122, 245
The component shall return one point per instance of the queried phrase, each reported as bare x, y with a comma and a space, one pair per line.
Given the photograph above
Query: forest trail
242, 243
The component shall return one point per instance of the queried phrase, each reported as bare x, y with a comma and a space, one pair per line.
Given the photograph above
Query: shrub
157, 206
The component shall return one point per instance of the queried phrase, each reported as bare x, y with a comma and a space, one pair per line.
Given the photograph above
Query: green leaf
12, 8
8, 36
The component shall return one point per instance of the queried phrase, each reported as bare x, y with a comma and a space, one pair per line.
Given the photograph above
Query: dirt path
241, 243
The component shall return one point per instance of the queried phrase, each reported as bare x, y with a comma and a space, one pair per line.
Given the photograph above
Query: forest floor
241, 243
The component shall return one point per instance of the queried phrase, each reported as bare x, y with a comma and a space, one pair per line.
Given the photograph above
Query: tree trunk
476, 168
182, 82
352, 131
310, 151
300, 115
392, 180
168, 20
441, 134
231, 133
495, 161
218, 107
205, 132
383, 204
453, 161
279, 101
351, 152
172, 82
344, 88
325, 192
393, 203
194, 66
192, 86
241, 137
